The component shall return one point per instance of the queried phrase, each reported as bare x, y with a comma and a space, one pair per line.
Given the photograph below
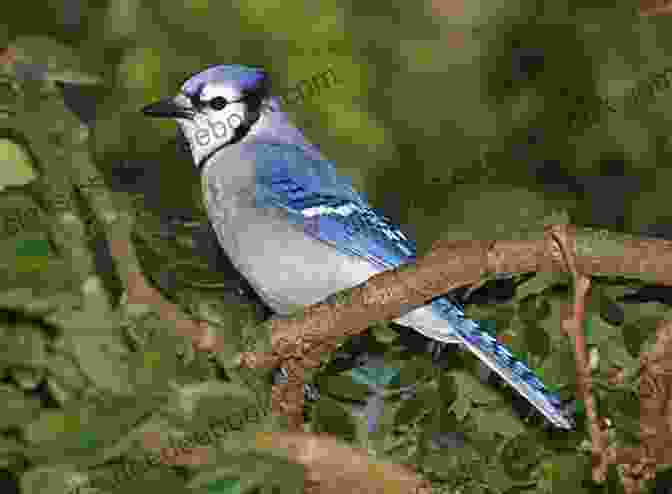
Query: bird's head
216, 107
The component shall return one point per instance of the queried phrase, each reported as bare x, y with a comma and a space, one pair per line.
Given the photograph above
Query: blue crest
245, 78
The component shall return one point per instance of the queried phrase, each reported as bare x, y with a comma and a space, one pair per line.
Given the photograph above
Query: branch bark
582, 251
655, 7
573, 327
449, 265
333, 467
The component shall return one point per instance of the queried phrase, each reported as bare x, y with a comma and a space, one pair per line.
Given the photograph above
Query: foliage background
455, 118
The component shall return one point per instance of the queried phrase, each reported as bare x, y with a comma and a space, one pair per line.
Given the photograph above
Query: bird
296, 229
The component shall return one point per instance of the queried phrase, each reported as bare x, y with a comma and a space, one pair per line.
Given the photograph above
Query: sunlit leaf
16, 166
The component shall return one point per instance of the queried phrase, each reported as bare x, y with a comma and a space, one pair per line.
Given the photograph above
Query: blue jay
296, 230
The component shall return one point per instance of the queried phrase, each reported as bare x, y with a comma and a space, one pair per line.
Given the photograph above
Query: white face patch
223, 90
212, 129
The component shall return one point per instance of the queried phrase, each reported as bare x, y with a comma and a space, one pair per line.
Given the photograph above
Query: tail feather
501, 360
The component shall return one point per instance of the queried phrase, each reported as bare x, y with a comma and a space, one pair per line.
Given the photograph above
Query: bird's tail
501, 360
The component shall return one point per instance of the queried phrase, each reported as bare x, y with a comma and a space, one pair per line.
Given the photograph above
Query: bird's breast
285, 265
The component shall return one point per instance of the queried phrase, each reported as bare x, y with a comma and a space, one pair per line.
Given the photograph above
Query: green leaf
253, 469
32, 247
471, 387
447, 389
543, 309
83, 431
410, 410
614, 484
564, 473
598, 331
330, 417
384, 333
18, 409
623, 402
559, 369
222, 486
541, 282
345, 387
537, 340
57, 478
634, 334
497, 479
527, 309
552, 324
615, 353
616, 288
135, 475
102, 358
65, 373
28, 378
415, 371
11, 455
203, 403
500, 315
447, 462
520, 455
461, 407
500, 421
38, 292
23, 345
16, 166
655, 310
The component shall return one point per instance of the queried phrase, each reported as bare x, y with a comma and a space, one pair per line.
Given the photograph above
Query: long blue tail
501, 360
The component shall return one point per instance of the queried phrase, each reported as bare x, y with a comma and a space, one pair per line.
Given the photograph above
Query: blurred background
458, 119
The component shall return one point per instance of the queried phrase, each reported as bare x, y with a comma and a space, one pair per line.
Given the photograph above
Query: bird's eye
218, 102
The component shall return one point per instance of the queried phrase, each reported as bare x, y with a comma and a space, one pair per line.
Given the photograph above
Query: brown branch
140, 292
655, 392
333, 467
449, 265
287, 398
655, 7
573, 327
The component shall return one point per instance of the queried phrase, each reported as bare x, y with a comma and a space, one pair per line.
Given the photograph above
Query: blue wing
328, 208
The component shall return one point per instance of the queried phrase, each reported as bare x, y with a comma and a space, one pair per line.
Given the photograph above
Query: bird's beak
169, 108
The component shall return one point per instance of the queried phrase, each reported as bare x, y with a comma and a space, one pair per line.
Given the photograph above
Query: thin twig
287, 398
573, 327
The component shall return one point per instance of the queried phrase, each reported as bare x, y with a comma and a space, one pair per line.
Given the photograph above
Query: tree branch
573, 327
333, 467
583, 252
449, 265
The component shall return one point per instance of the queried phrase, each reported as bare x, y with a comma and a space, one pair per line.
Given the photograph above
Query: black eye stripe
218, 102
